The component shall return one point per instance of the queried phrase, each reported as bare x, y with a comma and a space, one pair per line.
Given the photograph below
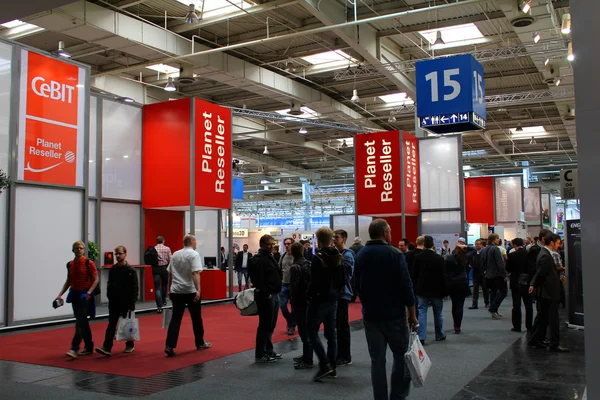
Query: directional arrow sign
444, 119
424, 122
453, 118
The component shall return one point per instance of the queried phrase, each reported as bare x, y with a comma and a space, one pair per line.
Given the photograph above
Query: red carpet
229, 333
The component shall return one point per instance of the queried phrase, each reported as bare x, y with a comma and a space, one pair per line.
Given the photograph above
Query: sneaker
129, 350
496, 315
170, 352
265, 359
291, 331
343, 363
324, 370
441, 339
298, 360
332, 374
276, 356
165, 304
303, 365
72, 354
103, 351
457, 331
84, 352
206, 345
159, 310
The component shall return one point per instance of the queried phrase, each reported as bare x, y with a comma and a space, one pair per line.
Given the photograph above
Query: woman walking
457, 281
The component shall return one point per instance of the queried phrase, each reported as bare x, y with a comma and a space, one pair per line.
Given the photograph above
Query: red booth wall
412, 228
479, 200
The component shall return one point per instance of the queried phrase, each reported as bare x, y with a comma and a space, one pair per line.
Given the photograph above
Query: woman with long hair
458, 282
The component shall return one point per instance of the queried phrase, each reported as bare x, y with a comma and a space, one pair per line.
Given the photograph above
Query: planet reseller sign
51, 120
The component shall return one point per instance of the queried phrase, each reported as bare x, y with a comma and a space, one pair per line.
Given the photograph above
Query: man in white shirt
184, 289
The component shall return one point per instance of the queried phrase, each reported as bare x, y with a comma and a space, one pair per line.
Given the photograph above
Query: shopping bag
246, 303
167, 313
417, 361
128, 328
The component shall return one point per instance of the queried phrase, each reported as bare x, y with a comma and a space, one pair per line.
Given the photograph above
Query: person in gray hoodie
495, 274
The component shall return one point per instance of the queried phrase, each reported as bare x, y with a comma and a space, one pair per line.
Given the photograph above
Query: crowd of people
396, 287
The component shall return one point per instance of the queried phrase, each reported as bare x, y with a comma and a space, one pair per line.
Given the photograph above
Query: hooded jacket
325, 268
122, 289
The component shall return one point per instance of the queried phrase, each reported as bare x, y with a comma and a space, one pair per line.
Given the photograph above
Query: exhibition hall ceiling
272, 55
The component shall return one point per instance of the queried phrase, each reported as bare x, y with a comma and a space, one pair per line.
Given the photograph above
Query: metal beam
273, 163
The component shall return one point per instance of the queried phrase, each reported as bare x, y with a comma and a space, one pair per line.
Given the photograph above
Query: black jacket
299, 280
239, 259
122, 289
430, 275
323, 266
265, 274
546, 281
356, 247
410, 262
457, 280
517, 265
476, 263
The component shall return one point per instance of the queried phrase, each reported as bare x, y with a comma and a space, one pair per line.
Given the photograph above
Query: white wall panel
5, 84
347, 223
92, 222
93, 137
207, 225
440, 222
48, 221
363, 228
121, 151
439, 173
121, 226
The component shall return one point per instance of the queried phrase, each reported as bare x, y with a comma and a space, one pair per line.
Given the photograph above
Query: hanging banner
508, 198
377, 172
569, 184
533, 208
575, 271
213, 155
546, 208
51, 120
411, 180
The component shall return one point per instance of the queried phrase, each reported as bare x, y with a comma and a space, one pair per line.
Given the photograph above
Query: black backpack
336, 274
151, 256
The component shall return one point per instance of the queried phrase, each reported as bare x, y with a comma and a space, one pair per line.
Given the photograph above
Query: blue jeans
161, 281
322, 313
379, 335
437, 303
244, 273
284, 299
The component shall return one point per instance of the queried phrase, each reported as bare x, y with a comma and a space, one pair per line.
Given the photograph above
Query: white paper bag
417, 361
167, 313
128, 328
245, 301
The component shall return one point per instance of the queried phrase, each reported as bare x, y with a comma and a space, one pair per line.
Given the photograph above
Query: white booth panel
5, 64
439, 173
47, 223
121, 151
363, 228
345, 222
92, 221
121, 226
93, 141
207, 234
441, 222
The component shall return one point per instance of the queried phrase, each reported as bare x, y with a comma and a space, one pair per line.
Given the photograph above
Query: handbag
417, 361
167, 314
128, 328
245, 301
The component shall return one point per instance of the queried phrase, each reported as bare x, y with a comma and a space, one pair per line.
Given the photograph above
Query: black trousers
82, 325
479, 281
343, 331
498, 291
307, 350
458, 307
113, 319
521, 293
180, 302
267, 320
546, 322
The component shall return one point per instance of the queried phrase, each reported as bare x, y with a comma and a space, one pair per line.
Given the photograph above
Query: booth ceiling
274, 55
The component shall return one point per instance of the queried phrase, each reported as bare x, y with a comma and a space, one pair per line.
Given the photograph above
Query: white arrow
453, 117
444, 119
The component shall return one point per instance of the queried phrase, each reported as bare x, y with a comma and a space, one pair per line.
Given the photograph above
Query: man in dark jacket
299, 280
385, 289
357, 245
266, 278
478, 276
495, 274
410, 258
546, 285
122, 292
520, 278
242, 261
326, 281
430, 278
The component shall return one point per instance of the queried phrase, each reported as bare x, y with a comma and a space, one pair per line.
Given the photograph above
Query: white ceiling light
170, 87
13, 24
547, 61
61, 50
526, 6
557, 83
306, 113
165, 69
265, 182
566, 24
191, 17
536, 37
532, 141
392, 119
266, 151
528, 132
453, 36
331, 60
355, 98
397, 98
570, 55
303, 131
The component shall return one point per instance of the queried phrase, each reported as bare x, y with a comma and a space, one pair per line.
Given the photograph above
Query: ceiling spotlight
438, 39
532, 141
266, 151
191, 17
545, 147
526, 6
170, 87
547, 61
392, 119
125, 99
536, 37
355, 98
303, 131
344, 144
519, 128
566, 24
557, 83
61, 50
570, 55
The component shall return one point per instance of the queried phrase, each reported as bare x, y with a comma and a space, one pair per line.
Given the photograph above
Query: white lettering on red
53, 90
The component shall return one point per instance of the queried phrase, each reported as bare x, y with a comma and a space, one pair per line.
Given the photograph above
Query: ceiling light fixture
125, 100
532, 141
344, 144
303, 131
566, 24
355, 98
545, 147
547, 61
170, 86
439, 41
191, 17
61, 50
536, 37
519, 128
570, 55
526, 6
266, 151
557, 81
392, 119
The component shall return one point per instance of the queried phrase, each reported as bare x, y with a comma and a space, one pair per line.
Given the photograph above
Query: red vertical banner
213, 155
412, 179
378, 178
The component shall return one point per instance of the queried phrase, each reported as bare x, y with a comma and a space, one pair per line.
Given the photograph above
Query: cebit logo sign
53, 90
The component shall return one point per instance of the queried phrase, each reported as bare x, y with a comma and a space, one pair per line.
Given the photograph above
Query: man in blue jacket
344, 357
385, 289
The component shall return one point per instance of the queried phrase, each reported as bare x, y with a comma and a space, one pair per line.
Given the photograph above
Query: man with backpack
344, 357
159, 258
299, 281
327, 278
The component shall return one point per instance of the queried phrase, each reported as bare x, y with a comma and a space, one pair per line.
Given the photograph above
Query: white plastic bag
246, 303
417, 361
167, 314
128, 328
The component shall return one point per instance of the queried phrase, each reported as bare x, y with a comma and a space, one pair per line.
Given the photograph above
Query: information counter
213, 284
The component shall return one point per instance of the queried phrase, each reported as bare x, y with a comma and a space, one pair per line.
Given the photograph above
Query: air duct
186, 74
295, 110
552, 73
569, 114
520, 19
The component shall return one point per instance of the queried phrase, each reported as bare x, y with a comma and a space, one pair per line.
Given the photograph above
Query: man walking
242, 260
478, 276
266, 277
385, 289
161, 276
344, 357
299, 281
410, 257
285, 263
326, 281
184, 288
520, 278
122, 292
495, 274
